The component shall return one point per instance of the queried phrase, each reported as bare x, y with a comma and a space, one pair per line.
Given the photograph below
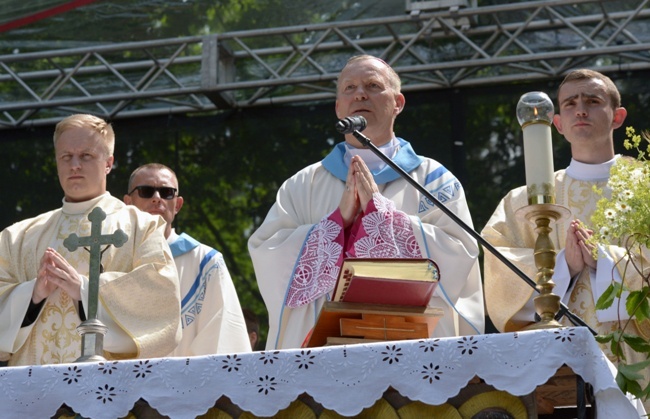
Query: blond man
44, 286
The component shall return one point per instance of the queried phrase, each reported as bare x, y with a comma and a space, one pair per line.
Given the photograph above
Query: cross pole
92, 330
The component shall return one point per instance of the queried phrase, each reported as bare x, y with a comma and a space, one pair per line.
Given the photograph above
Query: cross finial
92, 330
95, 241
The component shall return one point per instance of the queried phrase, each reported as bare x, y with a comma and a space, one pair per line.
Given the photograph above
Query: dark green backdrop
230, 164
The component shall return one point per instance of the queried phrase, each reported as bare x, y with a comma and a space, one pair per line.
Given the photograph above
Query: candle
535, 114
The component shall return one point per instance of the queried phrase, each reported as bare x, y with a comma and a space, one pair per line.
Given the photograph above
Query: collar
182, 244
172, 236
76, 208
590, 172
404, 157
371, 159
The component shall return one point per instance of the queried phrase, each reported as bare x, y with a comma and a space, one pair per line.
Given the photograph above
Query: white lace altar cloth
343, 378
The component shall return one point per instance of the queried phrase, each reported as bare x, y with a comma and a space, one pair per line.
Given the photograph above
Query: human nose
75, 162
581, 110
360, 94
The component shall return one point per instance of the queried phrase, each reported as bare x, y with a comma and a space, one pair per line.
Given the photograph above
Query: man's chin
78, 194
78, 198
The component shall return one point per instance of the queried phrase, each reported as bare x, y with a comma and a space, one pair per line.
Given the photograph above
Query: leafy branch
622, 218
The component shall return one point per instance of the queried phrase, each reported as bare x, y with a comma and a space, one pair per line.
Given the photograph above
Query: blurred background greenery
230, 163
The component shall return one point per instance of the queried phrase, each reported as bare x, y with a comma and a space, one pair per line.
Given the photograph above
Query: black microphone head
350, 124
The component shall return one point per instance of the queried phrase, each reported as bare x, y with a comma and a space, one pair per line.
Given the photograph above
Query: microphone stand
564, 310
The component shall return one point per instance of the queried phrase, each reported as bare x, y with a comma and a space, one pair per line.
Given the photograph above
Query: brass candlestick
535, 115
547, 304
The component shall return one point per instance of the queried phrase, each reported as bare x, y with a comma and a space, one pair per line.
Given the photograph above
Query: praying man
44, 287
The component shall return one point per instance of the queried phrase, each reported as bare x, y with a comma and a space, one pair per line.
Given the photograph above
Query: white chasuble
294, 247
211, 315
139, 298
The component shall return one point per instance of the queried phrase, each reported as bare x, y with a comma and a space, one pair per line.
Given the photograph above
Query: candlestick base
92, 333
547, 304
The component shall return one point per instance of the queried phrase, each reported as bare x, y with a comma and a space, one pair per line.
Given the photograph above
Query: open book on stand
405, 282
379, 300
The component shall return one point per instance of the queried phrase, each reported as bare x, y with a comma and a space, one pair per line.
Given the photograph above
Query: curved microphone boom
350, 124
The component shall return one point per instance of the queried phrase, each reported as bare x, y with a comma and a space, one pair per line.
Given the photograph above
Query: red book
406, 282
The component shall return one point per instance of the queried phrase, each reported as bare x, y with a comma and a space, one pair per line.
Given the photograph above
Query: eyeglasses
147, 192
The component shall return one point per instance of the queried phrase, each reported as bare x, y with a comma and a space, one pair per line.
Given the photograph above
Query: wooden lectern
345, 323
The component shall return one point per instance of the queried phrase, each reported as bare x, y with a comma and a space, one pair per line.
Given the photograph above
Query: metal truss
459, 47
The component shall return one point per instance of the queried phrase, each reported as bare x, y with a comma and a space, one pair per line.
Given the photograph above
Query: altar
344, 380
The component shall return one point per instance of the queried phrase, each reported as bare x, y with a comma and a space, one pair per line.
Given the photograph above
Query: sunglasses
147, 192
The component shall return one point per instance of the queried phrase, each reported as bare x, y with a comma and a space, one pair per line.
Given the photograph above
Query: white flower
625, 194
636, 175
623, 207
604, 233
610, 214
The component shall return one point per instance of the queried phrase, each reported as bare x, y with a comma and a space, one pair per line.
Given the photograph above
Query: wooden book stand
345, 323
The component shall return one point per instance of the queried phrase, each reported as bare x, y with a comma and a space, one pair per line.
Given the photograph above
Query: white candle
538, 157
535, 113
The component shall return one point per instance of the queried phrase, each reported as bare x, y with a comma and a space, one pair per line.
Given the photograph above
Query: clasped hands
55, 272
359, 188
577, 251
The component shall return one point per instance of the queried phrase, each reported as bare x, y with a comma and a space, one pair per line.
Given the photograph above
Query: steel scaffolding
458, 47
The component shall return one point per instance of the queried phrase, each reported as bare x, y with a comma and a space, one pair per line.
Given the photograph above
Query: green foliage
617, 338
622, 218
231, 163
106, 21
603, 339
637, 304
607, 298
628, 378
637, 343
30, 182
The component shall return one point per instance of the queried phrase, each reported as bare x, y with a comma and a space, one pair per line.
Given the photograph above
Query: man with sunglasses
44, 286
211, 315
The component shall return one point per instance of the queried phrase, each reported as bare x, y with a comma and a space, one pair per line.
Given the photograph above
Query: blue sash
183, 244
405, 159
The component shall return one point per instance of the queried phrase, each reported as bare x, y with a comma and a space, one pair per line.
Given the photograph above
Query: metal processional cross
92, 330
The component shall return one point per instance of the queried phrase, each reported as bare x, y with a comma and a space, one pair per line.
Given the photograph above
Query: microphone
350, 124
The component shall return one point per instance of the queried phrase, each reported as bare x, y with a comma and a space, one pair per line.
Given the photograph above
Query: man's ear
179, 204
619, 117
109, 164
400, 101
127, 199
558, 123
